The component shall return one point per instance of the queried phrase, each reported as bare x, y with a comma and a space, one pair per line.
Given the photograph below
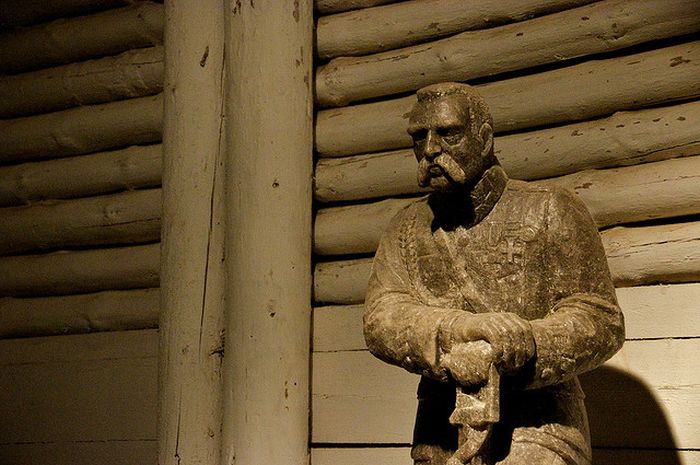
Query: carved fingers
510, 336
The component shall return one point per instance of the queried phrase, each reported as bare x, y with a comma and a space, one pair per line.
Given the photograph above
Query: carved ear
486, 135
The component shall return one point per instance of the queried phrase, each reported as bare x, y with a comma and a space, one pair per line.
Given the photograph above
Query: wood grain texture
134, 73
81, 176
128, 218
637, 256
74, 39
61, 273
81, 313
359, 399
82, 130
601, 27
387, 27
625, 138
588, 90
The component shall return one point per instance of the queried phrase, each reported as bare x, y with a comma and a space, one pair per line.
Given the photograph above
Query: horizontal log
645, 396
81, 176
393, 455
389, 27
26, 12
626, 138
127, 218
77, 272
637, 256
670, 188
601, 27
82, 130
335, 6
584, 91
341, 282
82, 313
131, 74
668, 253
339, 327
76, 39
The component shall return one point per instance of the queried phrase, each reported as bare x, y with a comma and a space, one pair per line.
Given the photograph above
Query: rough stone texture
497, 292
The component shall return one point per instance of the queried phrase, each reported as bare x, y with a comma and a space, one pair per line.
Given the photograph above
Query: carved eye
419, 136
451, 135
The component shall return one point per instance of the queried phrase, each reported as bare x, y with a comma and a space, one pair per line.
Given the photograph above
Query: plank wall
597, 96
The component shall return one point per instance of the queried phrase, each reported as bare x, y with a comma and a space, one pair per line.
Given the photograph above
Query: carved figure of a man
516, 266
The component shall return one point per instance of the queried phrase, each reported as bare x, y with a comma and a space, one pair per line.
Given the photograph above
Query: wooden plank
625, 138
371, 30
548, 39
647, 386
74, 272
131, 217
134, 73
81, 313
636, 256
82, 130
402, 456
126, 452
81, 176
662, 311
91, 388
74, 39
588, 90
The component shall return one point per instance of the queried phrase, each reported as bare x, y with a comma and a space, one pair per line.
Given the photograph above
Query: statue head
452, 134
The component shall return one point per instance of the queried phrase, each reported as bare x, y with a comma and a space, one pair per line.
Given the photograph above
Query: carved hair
479, 112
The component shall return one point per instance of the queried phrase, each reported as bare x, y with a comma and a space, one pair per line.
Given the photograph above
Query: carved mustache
443, 165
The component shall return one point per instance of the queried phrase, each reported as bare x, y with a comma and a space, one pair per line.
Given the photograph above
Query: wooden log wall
600, 97
80, 209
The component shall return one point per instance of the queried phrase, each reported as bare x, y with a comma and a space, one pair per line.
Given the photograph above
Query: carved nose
432, 148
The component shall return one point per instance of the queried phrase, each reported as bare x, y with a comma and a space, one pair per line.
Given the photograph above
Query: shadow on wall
624, 414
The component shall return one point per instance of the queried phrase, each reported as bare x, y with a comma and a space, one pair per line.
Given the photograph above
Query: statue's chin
442, 184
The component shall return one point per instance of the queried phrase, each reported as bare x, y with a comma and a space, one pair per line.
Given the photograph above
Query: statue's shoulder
547, 191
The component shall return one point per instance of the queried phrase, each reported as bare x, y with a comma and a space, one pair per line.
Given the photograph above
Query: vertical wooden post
192, 271
268, 244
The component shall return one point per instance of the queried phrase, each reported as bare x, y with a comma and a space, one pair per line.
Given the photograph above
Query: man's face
448, 153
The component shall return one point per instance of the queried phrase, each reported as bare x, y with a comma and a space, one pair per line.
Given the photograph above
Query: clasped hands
506, 340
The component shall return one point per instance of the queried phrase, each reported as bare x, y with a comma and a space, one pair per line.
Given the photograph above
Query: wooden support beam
131, 74
584, 91
82, 130
81, 176
637, 256
82, 313
269, 108
389, 27
548, 39
126, 218
75, 39
76, 272
336, 6
192, 266
626, 138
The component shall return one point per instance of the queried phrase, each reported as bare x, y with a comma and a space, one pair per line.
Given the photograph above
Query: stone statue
497, 292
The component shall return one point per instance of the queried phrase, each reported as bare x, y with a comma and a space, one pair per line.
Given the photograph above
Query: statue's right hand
469, 362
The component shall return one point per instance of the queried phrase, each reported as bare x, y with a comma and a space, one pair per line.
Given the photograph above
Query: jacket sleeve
399, 328
585, 326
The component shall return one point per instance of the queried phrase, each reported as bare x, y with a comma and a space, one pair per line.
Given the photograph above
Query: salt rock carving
497, 292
